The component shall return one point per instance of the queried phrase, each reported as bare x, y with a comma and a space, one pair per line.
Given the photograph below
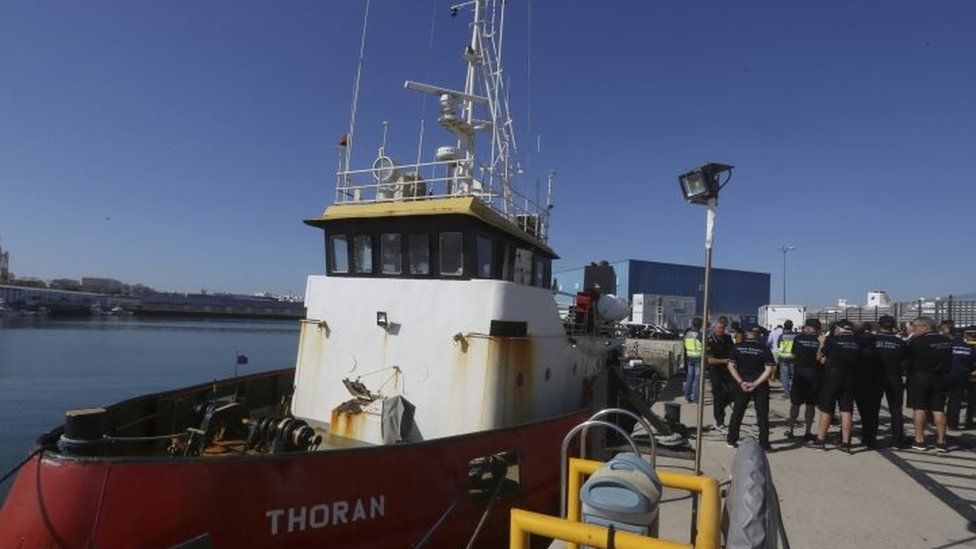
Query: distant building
102, 285
29, 282
736, 294
65, 284
878, 298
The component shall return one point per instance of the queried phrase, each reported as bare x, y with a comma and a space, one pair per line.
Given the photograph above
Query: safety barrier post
524, 523
709, 510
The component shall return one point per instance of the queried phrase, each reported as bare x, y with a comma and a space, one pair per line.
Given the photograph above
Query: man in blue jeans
785, 352
693, 358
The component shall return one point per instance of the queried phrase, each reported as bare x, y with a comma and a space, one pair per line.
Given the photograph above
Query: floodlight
701, 185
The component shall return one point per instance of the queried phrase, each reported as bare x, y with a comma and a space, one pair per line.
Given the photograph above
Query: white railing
440, 180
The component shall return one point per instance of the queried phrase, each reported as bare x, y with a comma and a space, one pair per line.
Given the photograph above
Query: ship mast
480, 106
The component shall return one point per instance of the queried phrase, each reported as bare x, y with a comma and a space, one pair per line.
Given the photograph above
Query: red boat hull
369, 497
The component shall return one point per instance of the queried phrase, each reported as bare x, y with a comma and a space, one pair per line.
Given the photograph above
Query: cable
450, 509
144, 438
528, 54
727, 179
484, 516
17, 467
355, 88
423, 99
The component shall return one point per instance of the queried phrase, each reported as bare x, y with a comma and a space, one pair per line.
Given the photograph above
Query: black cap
753, 328
845, 325
788, 325
887, 322
813, 323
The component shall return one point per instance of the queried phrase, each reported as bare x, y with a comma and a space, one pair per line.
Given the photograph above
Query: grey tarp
397, 419
752, 507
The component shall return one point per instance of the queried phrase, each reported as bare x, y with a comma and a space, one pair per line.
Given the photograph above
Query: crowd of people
838, 367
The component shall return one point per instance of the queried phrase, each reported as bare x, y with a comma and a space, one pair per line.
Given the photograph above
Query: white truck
771, 316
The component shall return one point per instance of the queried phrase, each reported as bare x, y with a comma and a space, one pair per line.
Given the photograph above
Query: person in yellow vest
785, 352
693, 358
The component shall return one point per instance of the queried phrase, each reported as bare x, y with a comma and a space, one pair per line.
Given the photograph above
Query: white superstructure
436, 316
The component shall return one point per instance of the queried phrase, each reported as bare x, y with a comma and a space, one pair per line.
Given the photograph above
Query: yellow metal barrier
525, 523
709, 509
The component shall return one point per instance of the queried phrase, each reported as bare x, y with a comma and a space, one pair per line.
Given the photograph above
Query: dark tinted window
539, 272
418, 254
362, 253
523, 266
340, 254
486, 257
451, 252
391, 257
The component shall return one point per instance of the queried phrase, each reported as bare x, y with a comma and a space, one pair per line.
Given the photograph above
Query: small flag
241, 359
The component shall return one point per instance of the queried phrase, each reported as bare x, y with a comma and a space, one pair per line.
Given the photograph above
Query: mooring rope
17, 467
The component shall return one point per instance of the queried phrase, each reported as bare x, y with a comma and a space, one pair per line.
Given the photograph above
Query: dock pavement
883, 498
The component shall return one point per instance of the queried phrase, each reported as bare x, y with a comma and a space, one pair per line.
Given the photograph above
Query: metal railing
440, 180
962, 312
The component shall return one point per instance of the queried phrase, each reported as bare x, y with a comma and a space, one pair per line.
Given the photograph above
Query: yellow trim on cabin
464, 205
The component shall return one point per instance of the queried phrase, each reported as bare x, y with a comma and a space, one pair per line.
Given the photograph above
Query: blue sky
180, 143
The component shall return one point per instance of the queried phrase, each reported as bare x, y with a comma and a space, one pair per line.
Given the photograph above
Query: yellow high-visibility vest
693, 344
786, 345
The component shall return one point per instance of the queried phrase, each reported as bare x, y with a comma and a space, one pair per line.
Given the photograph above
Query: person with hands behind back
750, 365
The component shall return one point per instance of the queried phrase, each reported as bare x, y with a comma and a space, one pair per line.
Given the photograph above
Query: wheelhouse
449, 239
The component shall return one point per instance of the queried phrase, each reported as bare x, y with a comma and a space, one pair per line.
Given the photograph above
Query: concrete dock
884, 498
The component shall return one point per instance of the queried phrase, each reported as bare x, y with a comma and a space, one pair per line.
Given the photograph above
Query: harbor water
49, 365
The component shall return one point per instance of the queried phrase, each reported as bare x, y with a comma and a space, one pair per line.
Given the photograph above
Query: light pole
701, 186
785, 250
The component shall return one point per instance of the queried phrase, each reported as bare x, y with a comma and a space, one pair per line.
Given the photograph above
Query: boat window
340, 254
486, 256
362, 253
452, 262
539, 272
507, 271
391, 258
418, 254
523, 266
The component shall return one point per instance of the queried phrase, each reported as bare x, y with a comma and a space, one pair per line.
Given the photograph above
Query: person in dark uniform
719, 350
969, 336
891, 351
867, 386
961, 367
807, 372
751, 364
841, 354
929, 354
736, 332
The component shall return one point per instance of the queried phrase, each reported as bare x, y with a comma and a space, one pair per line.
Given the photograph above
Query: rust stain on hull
347, 425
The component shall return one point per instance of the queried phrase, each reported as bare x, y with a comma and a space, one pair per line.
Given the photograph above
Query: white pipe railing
411, 185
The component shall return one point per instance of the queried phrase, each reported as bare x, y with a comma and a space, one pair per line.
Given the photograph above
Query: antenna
355, 89
551, 178
386, 128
